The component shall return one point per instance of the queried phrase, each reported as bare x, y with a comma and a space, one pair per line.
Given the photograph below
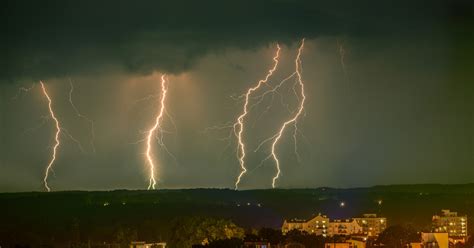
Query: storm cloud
42, 39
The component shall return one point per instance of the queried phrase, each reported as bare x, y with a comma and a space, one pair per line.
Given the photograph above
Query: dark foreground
59, 217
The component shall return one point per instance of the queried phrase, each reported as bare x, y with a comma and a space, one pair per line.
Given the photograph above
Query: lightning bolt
80, 115
294, 119
56, 137
238, 126
152, 130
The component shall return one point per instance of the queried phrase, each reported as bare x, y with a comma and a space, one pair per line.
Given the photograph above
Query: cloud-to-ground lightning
80, 115
294, 119
56, 137
59, 129
151, 132
251, 100
238, 126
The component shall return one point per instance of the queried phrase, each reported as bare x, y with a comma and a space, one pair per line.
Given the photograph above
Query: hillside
97, 215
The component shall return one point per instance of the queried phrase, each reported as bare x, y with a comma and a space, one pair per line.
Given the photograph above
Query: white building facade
317, 225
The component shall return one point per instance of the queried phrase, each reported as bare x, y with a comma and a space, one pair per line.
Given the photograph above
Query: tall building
371, 224
317, 225
449, 222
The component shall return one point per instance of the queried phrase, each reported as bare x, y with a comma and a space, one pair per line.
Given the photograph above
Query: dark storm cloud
42, 39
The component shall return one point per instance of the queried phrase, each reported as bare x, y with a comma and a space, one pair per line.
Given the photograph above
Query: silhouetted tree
308, 240
226, 243
397, 236
271, 235
187, 232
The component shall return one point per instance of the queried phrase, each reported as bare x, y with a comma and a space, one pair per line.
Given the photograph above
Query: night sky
396, 108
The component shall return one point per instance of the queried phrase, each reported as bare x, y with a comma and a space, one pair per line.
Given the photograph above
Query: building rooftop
447, 213
296, 220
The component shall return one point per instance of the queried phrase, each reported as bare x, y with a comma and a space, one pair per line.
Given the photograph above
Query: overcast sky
389, 87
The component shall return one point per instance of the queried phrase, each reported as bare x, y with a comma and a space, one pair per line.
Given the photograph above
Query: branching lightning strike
294, 120
59, 129
238, 126
156, 127
56, 137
